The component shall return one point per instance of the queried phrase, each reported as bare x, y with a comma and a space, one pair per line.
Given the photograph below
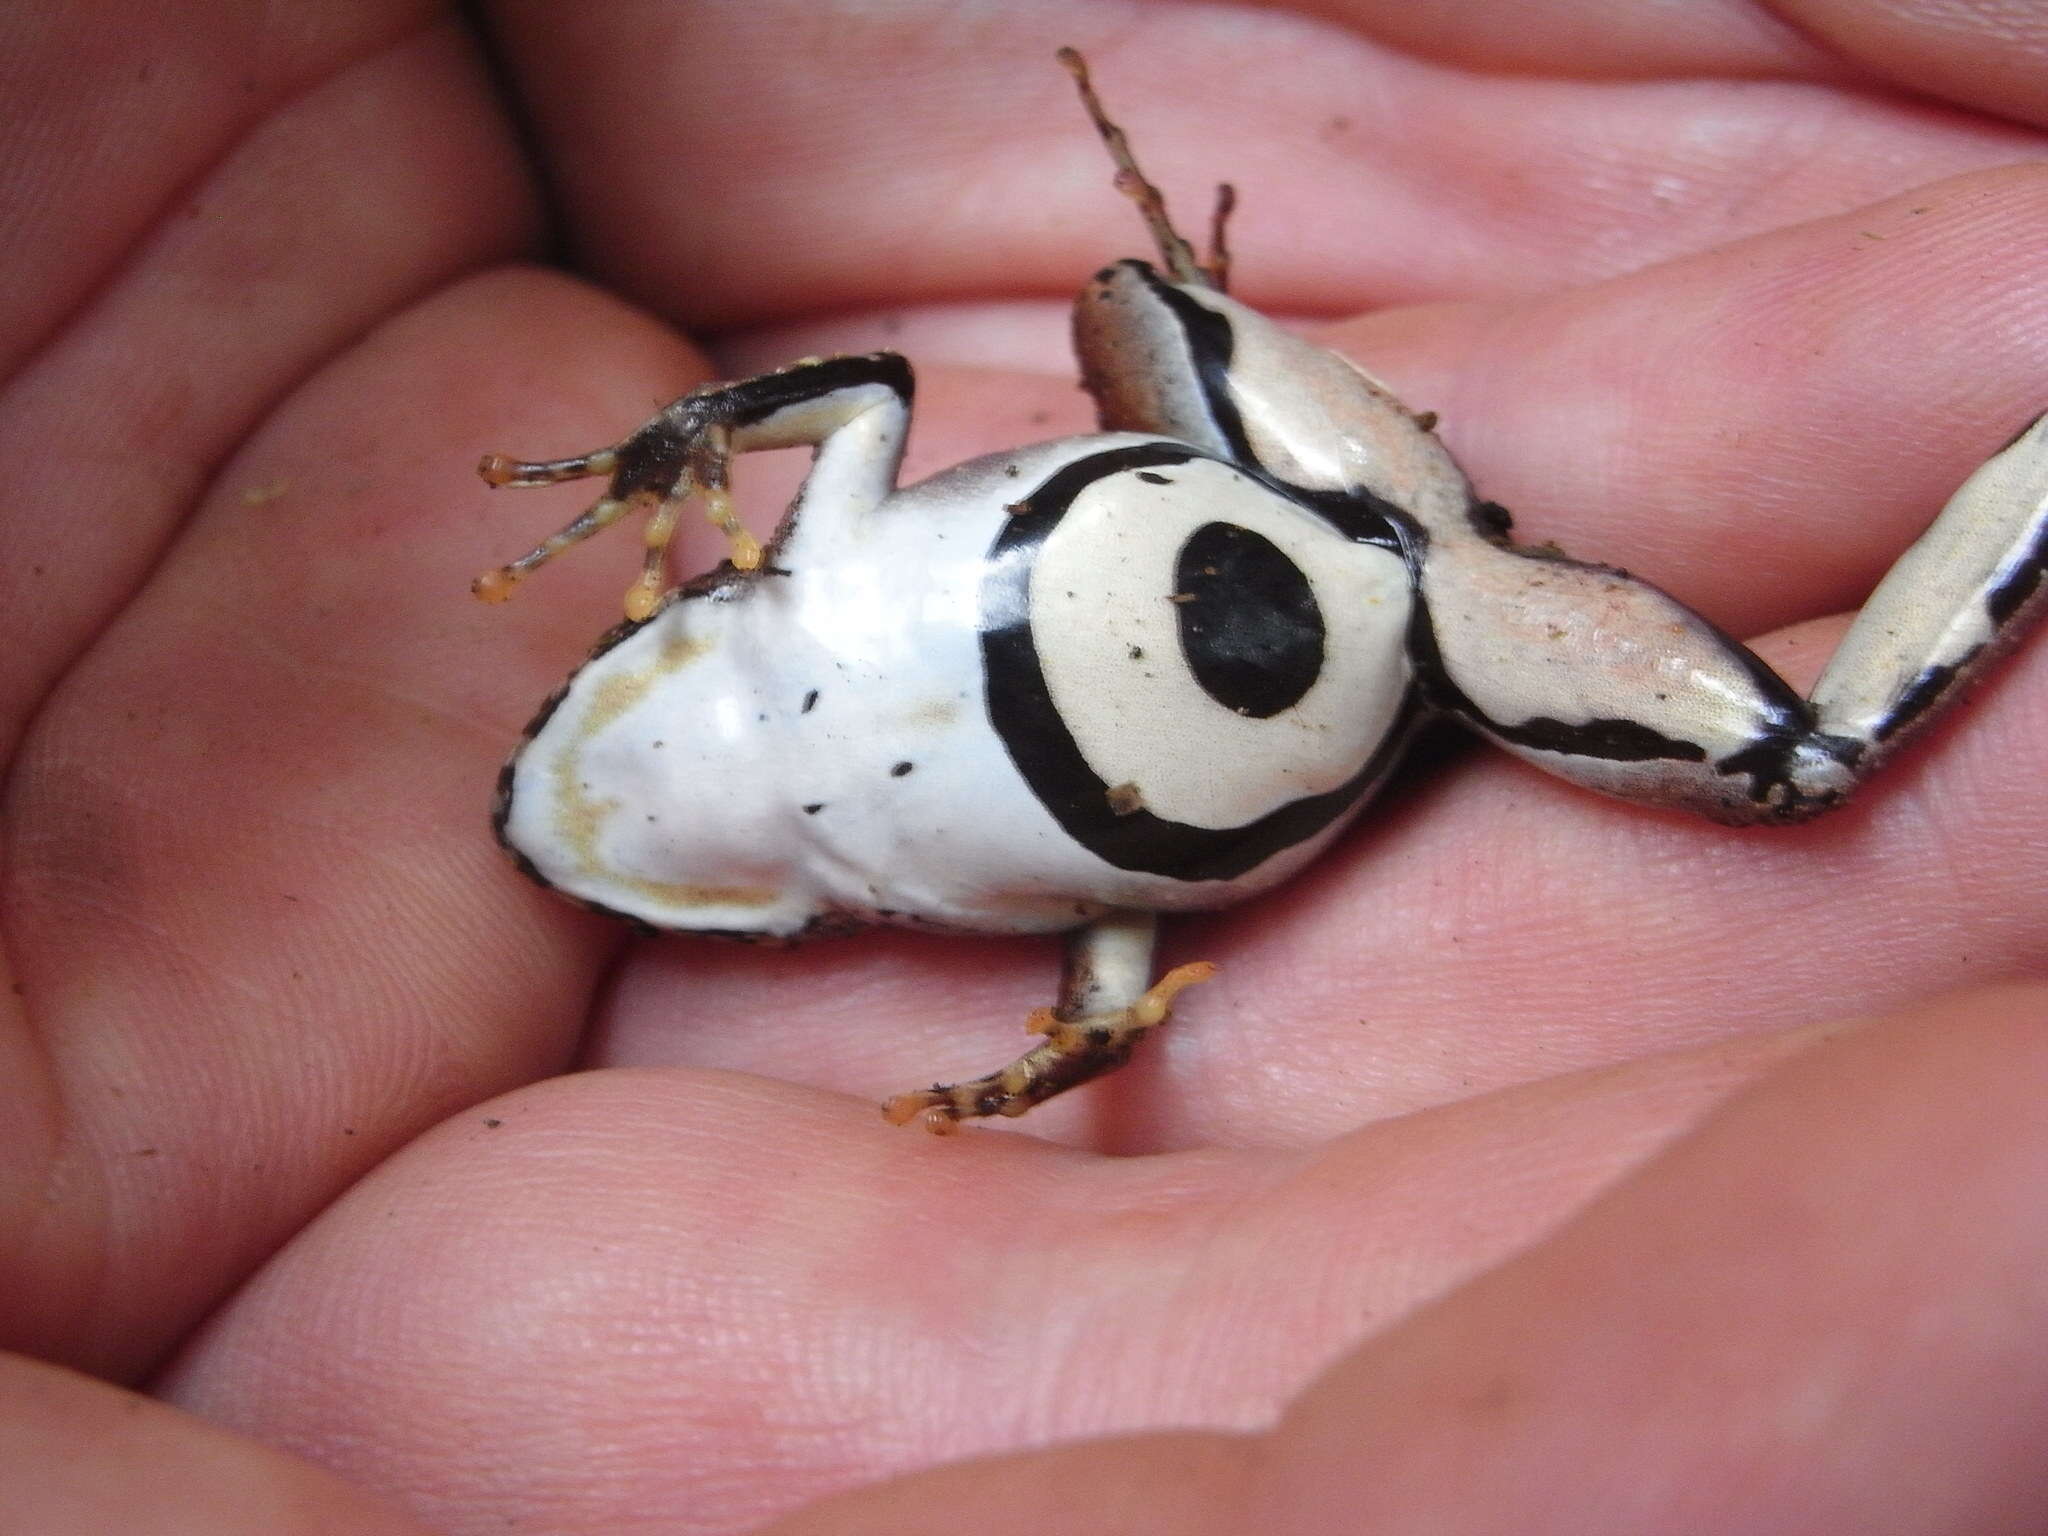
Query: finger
283, 200
110, 121
1986, 57
1760, 428
1593, 38
79, 1458
1817, 1314
750, 1294
1990, 57
794, 162
1168, 1483
262, 933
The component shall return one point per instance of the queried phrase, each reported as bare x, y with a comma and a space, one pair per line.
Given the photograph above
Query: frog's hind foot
1074, 1051
655, 470
686, 449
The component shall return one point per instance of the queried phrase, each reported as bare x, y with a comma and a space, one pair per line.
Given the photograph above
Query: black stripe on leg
747, 401
654, 458
2020, 582
1617, 740
1211, 345
1927, 691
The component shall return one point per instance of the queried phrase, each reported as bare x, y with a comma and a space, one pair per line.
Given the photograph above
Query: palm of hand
263, 945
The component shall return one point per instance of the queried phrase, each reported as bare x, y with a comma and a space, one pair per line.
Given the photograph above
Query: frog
1079, 685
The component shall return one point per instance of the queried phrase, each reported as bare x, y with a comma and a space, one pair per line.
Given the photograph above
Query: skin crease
1536, 1163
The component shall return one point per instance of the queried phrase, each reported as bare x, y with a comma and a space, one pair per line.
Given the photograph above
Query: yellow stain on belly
619, 693
675, 894
580, 816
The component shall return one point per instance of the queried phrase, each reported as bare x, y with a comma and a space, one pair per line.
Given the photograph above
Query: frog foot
655, 470
1073, 1051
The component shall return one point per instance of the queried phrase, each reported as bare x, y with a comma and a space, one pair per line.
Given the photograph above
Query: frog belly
727, 769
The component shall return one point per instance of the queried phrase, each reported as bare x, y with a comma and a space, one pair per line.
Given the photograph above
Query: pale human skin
1532, 1165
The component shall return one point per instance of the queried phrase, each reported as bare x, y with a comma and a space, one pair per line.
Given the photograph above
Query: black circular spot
1249, 623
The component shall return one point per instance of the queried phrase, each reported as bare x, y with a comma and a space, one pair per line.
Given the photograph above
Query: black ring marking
1044, 750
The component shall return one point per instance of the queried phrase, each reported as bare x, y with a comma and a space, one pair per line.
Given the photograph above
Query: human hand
1535, 1095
